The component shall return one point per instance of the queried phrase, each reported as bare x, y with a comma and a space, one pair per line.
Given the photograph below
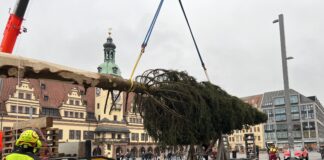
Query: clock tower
105, 109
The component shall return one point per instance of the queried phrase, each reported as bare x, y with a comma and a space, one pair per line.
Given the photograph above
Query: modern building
236, 140
307, 115
79, 114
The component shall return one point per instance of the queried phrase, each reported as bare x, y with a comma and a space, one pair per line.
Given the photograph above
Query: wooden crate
48, 136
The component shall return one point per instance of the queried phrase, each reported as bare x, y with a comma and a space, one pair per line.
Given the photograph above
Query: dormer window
115, 69
99, 69
45, 98
43, 86
21, 95
28, 96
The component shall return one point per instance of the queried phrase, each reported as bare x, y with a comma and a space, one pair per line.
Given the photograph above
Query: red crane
13, 26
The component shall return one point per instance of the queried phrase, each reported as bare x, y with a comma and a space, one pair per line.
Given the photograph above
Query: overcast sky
237, 40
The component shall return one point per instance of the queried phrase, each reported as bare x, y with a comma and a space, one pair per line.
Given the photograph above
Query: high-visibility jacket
21, 156
273, 150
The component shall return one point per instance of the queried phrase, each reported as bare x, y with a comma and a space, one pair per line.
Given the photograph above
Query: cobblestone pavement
264, 156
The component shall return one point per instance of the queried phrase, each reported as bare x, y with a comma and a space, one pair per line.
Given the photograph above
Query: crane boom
13, 26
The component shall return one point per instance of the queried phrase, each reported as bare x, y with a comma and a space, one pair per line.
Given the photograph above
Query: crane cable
144, 44
194, 40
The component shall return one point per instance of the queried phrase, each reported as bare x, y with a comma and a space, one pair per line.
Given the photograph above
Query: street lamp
285, 78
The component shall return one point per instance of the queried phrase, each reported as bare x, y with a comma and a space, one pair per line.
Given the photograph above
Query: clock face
98, 91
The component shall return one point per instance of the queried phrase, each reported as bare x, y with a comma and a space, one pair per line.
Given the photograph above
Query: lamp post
285, 79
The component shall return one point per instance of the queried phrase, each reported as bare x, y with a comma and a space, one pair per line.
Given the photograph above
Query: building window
66, 113
135, 137
294, 99
282, 135
113, 135
71, 114
81, 115
53, 112
115, 69
281, 127
13, 109
60, 134
309, 125
21, 95
258, 128
76, 115
295, 116
281, 117
146, 137
71, 102
27, 110
280, 111
98, 117
45, 98
6, 128
98, 105
88, 134
28, 96
115, 118
34, 110
309, 134
77, 103
109, 146
71, 134
118, 136
297, 134
259, 138
268, 127
78, 134
43, 86
279, 101
142, 137
296, 127
75, 134
294, 109
20, 109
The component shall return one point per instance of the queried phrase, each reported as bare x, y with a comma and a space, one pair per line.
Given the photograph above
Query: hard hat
29, 138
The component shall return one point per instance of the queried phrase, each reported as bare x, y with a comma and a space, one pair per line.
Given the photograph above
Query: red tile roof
56, 91
253, 100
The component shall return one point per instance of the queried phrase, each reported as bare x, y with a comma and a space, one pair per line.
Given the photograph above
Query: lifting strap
194, 40
144, 44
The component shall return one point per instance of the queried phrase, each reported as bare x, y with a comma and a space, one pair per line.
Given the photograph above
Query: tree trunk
191, 153
221, 151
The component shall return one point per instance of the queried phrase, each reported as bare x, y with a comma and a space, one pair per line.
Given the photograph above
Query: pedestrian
26, 147
169, 155
257, 151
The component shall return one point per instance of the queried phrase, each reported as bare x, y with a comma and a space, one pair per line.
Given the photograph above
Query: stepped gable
56, 91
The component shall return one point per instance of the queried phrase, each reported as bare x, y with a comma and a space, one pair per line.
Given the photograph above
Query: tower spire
109, 66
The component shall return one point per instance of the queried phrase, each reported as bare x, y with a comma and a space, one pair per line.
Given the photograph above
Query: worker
272, 151
26, 147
